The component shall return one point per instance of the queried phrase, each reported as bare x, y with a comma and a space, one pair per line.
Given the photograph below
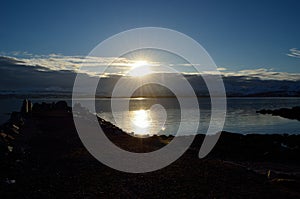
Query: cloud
89, 65
95, 66
294, 52
221, 69
264, 74
16, 75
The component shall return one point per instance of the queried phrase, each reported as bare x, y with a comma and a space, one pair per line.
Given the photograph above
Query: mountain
17, 78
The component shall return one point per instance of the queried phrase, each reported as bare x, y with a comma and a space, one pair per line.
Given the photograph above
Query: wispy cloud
56, 73
95, 66
264, 74
221, 69
294, 52
89, 65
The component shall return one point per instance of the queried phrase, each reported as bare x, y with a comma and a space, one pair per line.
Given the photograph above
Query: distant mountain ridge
19, 79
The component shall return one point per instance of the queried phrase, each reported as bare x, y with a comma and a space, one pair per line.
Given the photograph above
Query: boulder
61, 105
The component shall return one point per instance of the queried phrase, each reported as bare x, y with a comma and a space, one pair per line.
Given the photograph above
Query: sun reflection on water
141, 118
145, 122
141, 121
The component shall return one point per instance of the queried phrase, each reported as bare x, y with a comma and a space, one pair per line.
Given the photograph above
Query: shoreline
65, 96
17, 119
249, 106
47, 155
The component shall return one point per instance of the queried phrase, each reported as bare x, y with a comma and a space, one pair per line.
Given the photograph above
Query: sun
140, 68
139, 63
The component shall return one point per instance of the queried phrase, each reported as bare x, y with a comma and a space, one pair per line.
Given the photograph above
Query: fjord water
241, 115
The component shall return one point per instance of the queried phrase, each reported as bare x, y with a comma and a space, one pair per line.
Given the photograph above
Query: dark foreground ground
43, 157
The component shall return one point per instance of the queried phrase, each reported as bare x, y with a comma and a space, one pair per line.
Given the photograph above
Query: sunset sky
239, 35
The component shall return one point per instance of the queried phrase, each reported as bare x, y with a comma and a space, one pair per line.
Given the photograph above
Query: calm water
241, 115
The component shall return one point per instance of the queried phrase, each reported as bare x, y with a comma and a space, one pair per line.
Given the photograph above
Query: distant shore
289, 113
68, 95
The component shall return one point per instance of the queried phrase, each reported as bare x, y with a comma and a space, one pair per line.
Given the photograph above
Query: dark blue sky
237, 34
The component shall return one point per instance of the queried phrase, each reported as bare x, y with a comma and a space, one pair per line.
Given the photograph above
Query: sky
239, 35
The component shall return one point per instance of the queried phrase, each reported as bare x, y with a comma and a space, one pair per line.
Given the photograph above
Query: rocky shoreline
289, 113
43, 157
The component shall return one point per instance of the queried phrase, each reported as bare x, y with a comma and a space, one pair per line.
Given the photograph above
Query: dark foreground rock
48, 160
292, 113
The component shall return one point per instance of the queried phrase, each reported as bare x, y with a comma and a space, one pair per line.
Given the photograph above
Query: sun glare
141, 118
141, 122
140, 68
139, 63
